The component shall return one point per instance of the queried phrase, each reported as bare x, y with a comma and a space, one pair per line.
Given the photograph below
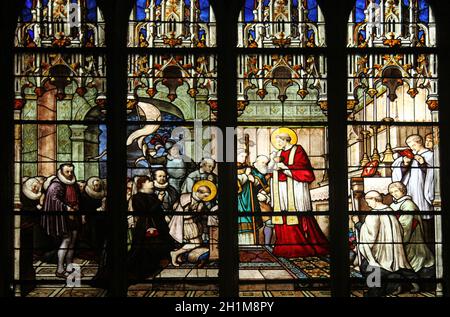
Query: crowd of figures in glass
393, 151
172, 166
60, 151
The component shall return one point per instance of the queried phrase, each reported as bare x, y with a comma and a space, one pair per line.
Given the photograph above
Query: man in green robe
251, 184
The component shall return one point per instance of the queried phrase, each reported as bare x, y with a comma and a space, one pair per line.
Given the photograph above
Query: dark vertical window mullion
116, 15
443, 51
226, 17
336, 17
9, 19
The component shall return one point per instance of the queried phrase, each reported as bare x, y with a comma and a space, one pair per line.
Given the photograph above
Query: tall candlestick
375, 107
364, 108
365, 159
375, 154
388, 108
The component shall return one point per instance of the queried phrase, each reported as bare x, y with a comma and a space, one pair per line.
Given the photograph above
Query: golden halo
279, 131
212, 187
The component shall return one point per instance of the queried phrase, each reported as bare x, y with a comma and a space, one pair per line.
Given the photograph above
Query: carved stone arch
360, 27
316, 33
426, 29
247, 27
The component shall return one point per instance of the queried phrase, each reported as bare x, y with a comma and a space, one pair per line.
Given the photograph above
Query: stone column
78, 139
437, 207
17, 189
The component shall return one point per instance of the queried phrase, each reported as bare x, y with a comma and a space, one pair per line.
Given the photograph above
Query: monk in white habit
416, 172
381, 244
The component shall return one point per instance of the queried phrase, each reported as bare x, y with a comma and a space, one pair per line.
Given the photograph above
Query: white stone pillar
78, 138
163, 17
17, 190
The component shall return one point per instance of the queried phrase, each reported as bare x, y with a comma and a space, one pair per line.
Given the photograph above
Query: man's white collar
93, 194
161, 186
64, 180
402, 199
29, 193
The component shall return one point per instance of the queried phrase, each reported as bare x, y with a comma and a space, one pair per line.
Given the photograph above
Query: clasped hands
417, 157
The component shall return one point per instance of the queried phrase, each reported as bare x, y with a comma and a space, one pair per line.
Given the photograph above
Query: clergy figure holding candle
296, 236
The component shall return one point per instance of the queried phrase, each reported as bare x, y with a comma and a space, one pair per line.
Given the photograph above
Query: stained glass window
300, 211
172, 163
282, 152
60, 150
393, 151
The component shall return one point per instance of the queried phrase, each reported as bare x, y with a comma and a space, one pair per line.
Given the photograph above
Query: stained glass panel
283, 227
60, 153
60, 86
281, 23
173, 190
393, 23
60, 23
394, 193
172, 23
172, 163
178, 88
393, 88
60, 169
282, 88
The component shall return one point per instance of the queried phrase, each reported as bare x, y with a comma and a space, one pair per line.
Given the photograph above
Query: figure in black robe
30, 199
148, 250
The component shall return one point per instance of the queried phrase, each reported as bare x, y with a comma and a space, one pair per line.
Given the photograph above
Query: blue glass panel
102, 138
312, 10
204, 10
252, 34
26, 12
140, 9
91, 15
359, 10
424, 11
248, 10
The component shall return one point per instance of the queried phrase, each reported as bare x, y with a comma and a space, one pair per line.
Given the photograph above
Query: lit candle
388, 107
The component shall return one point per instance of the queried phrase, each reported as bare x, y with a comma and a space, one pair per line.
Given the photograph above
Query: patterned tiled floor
61, 291
258, 272
360, 293
46, 271
258, 263
51, 286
